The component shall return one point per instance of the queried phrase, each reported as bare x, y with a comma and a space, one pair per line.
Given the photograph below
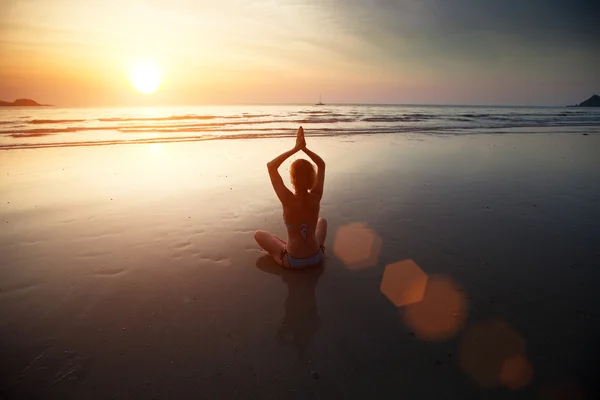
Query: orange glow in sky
72, 52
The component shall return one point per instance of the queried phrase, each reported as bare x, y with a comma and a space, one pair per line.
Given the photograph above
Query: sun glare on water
145, 77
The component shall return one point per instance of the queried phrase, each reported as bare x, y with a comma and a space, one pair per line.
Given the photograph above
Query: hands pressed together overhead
300, 141
299, 146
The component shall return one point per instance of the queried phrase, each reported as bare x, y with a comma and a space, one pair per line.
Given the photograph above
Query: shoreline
550, 130
79, 127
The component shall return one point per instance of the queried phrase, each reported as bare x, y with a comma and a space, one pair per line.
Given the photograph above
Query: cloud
476, 29
532, 20
476, 47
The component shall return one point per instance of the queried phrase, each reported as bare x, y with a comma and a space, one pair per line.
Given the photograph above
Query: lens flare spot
493, 354
516, 372
403, 283
357, 246
440, 313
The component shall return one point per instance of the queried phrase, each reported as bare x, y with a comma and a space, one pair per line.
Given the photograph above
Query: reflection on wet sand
301, 321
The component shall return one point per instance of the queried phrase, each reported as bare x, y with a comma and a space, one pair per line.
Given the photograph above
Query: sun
145, 77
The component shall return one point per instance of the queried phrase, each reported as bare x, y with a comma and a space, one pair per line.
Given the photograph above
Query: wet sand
131, 272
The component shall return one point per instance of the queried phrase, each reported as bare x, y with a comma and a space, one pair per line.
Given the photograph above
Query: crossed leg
271, 244
275, 246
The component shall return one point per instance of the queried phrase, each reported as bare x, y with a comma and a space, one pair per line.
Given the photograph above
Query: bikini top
303, 228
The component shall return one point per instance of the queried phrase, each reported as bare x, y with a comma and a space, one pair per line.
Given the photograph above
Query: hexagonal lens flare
357, 246
403, 283
441, 312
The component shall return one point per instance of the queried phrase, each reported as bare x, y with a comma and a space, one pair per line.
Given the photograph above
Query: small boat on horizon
320, 103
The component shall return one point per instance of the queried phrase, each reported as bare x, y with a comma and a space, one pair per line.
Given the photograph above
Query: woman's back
300, 216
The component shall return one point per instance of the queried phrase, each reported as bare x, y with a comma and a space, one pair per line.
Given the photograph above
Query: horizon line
296, 104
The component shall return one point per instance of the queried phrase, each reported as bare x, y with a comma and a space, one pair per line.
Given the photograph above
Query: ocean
22, 128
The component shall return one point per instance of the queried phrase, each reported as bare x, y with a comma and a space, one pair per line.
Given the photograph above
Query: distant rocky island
22, 103
593, 101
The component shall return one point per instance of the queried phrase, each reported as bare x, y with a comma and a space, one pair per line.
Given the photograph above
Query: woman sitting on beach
305, 230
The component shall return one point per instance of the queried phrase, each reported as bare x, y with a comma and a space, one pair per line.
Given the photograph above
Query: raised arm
280, 189
318, 188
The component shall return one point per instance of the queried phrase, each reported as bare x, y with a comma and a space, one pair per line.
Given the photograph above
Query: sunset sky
74, 52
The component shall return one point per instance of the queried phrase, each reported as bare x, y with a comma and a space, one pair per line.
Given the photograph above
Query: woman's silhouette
305, 230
